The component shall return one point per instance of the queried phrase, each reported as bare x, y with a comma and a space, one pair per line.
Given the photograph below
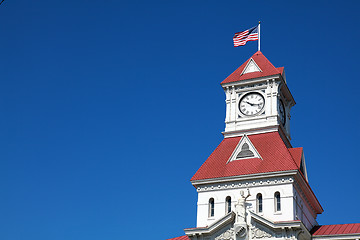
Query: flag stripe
248, 34
241, 38
251, 37
255, 36
241, 34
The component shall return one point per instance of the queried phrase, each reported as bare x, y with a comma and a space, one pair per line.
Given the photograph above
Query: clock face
282, 112
251, 104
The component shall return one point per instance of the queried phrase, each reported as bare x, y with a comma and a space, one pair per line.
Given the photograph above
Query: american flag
241, 38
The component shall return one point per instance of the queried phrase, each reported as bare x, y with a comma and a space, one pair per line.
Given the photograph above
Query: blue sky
109, 107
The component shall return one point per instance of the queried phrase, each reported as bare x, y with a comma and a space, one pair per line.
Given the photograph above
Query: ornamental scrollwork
228, 235
259, 233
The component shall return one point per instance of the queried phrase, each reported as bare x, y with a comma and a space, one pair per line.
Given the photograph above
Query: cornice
308, 193
252, 131
228, 218
251, 81
287, 92
245, 184
258, 176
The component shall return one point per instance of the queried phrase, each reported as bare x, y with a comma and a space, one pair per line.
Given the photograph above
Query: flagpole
259, 38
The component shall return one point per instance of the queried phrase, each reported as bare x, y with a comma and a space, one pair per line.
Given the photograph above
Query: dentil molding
245, 184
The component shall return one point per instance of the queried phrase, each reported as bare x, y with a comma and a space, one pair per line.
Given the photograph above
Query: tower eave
253, 80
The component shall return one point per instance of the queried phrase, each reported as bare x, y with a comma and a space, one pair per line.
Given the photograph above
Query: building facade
254, 185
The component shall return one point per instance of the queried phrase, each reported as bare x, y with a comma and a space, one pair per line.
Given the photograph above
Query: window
211, 207
277, 202
245, 152
259, 203
228, 204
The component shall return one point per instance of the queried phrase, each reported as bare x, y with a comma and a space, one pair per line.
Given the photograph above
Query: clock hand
252, 104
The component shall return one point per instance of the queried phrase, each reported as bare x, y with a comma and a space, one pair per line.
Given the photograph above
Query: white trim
252, 131
244, 139
301, 181
213, 227
244, 177
274, 225
245, 184
250, 63
251, 80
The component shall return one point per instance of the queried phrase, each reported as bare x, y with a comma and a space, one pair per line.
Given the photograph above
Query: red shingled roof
281, 70
267, 69
180, 238
276, 158
296, 153
337, 229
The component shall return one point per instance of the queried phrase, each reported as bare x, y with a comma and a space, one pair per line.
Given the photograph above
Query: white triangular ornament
244, 150
250, 67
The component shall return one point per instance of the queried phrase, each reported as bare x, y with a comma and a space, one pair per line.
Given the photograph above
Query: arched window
259, 203
211, 207
228, 204
277, 202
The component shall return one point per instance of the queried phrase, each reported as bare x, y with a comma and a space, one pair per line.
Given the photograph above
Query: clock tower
255, 185
257, 99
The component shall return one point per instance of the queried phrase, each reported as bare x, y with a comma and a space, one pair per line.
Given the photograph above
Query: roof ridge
292, 157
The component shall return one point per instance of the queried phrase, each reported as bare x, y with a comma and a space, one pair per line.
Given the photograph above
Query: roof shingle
180, 238
336, 229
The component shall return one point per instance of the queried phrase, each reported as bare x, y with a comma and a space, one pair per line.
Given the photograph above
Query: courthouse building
255, 185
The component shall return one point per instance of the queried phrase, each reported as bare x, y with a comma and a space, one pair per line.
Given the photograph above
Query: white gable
251, 66
244, 150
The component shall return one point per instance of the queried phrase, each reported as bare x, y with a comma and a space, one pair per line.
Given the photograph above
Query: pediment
245, 149
262, 227
251, 67
221, 228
